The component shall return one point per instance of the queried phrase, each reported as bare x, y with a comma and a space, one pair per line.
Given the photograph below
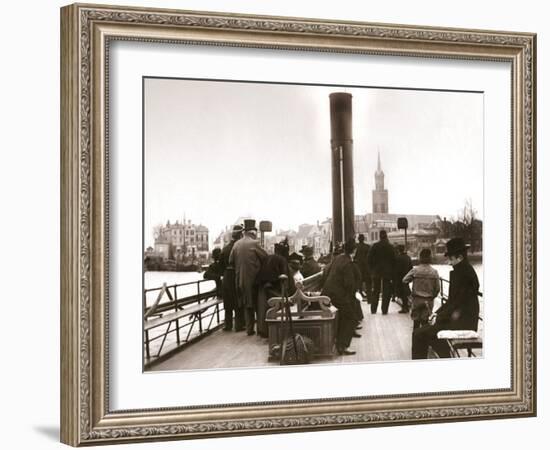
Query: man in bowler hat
247, 256
340, 286
229, 290
460, 311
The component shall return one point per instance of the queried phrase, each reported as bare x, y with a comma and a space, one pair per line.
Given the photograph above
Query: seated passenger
296, 278
460, 311
270, 284
310, 266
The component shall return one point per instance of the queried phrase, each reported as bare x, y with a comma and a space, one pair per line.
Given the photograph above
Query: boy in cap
425, 287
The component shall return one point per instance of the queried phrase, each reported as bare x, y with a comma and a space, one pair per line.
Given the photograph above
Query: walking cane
286, 316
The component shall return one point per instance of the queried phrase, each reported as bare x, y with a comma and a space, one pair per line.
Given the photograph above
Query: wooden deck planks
384, 338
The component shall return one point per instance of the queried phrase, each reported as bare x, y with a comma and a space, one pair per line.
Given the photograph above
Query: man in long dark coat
247, 257
229, 290
403, 265
340, 286
460, 311
381, 261
361, 259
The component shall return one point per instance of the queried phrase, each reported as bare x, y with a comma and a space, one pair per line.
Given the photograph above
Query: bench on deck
193, 311
318, 324
461, 340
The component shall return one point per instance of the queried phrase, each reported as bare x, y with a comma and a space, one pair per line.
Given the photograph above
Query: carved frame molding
86, 33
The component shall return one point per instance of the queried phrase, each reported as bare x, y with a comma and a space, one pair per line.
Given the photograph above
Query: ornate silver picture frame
87, 34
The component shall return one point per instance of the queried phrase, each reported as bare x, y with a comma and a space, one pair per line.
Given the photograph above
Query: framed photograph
274, 224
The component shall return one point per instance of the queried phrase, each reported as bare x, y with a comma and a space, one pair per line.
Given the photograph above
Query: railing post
175, 312
144, 303
147, 351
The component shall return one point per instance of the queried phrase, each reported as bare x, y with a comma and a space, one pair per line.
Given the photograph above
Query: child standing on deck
425, 287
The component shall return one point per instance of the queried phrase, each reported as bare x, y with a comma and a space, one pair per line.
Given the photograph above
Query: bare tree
470, 228
468, 214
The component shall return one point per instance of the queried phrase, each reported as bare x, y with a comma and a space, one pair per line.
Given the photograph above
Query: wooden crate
319, 325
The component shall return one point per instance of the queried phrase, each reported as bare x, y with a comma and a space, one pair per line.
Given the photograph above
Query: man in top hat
229, 290
460, 311
310, 266
247, 256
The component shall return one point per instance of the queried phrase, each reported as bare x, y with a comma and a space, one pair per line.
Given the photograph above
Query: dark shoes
356, 335
251, 333
403, 311
344, 352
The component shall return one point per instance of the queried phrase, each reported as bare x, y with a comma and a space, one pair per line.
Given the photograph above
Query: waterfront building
182, 240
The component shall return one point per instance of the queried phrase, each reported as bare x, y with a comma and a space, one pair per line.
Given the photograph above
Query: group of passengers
247, 276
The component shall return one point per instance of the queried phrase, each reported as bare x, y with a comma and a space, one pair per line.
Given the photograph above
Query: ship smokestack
343, 211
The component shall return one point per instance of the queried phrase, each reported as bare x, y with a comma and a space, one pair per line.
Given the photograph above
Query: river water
156, 279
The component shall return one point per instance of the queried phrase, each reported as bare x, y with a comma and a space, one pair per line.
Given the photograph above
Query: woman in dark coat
270, 284
460, 312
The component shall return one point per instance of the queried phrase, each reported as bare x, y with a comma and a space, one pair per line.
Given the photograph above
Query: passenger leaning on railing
460, 312
215, 271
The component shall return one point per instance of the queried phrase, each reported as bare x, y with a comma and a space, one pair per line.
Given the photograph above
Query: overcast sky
215, 151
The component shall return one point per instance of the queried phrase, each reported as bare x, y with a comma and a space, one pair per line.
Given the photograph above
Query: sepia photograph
276, 224
290, 224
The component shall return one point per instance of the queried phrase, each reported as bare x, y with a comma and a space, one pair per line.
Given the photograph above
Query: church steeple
379, 176
379, 195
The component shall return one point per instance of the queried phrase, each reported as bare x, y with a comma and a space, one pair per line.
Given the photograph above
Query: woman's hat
295, 257
456, 246
237, 230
